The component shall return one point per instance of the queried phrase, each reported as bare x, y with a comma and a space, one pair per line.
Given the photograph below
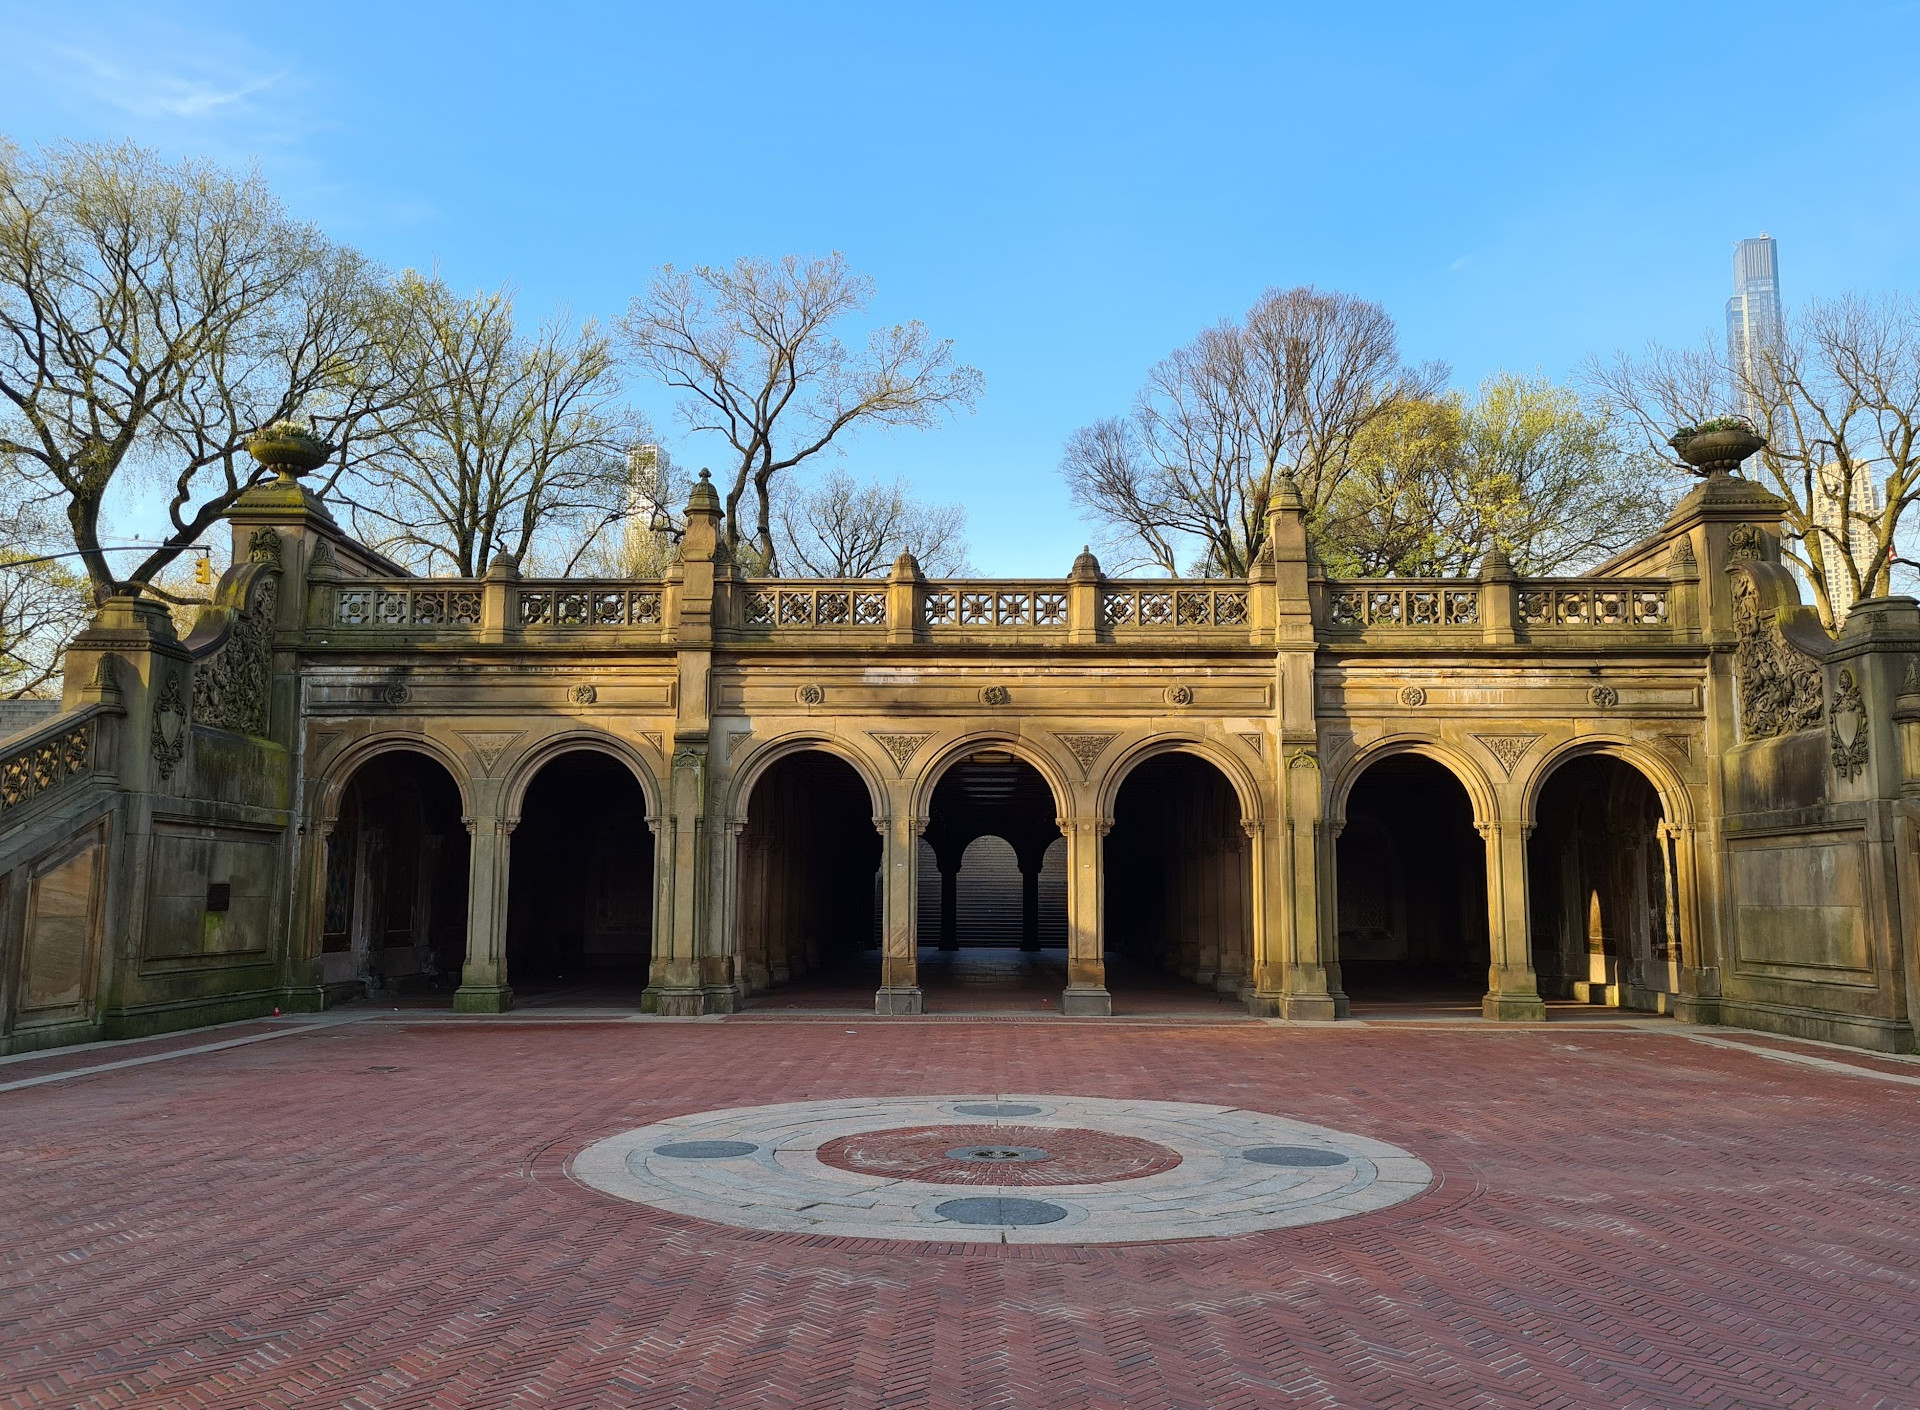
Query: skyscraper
1753, 313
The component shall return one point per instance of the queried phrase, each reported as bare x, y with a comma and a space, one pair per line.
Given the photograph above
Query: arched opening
992, 914
1601, 888
1412, 878
809, 878
580, 882
1179, 888
394, 913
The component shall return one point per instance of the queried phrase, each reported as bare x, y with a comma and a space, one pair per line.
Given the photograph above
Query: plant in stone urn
1718, 446
289, 447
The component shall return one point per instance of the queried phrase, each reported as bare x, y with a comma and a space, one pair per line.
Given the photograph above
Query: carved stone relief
1254, 741
1849, 744
489, 745
996, 695
1085, 748
169, 738
264, 547
1413, 696
583, 694
1743, 543
1509, 749
1605, 696
811, 695
1780, 688
232, 687
900, 747
1179, 695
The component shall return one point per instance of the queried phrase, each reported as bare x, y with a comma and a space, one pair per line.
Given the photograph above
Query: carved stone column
1086, 992
1513, 992
899, 899
483, 978
674, 983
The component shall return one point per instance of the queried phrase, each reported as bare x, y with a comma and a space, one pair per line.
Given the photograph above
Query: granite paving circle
998, 1155
1114, 1171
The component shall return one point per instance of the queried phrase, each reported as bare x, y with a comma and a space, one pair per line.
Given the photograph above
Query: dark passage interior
1600, 888
1412, 887
580, 881
396, 884
809, 863
1179, 882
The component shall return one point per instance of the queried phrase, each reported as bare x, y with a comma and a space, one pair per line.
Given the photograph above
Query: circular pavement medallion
1039, 1169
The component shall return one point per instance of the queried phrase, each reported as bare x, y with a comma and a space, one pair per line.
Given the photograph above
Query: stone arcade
1660, 786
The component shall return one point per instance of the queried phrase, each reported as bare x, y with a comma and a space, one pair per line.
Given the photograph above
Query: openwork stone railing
595, 605
1390, 604
57, 753
1403, 604
426, 603
852, 603
1545, 602
1173, 604
990, 605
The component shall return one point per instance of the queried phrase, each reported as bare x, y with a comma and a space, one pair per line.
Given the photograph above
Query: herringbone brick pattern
379, 1216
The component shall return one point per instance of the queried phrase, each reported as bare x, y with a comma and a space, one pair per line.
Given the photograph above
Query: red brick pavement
1629, 1219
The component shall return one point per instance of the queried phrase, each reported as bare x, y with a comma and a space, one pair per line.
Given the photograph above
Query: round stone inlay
1110, 1171
999, 1109
1000, 1210
1023, 1155
1304, 1157
706, 1150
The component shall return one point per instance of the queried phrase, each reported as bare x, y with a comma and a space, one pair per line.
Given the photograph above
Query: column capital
1095, 826
1504, 827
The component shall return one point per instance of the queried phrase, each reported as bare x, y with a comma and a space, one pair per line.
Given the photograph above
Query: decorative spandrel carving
1085, 748
1509, 749
1780, 690
1849, 742
900, 747
232, 687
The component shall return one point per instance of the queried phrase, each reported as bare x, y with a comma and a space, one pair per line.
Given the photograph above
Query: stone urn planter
1716, 448
290, 450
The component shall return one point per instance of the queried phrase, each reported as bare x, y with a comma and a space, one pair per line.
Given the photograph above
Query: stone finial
703, 497
1286, 494
1086, 565
503, 565
1496, 564
906, 566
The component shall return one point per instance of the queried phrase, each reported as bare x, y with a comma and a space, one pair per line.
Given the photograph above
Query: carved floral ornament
1086, 748
1743, 543
1413, 696
900, 747
232, 686
1605, 696
1780, 688
1509, 749
583, 694
1848, 744
811, 694
996, 695
1179, 695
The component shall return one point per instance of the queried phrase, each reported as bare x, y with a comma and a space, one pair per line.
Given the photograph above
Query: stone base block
1086, 1003
898, 999
1310, 1008
482, 998
1513, 1008
675, 1003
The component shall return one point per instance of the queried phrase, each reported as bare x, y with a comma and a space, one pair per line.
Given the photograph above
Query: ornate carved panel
900, 747
232, 687
1848, 742
1085, 748
1780, 690
1509, 749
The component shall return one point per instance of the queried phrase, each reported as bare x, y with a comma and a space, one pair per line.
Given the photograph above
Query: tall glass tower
1753, 313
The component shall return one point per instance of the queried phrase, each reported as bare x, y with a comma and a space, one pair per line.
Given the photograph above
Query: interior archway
394, 903
1412, 889
1179, 885
991, 907
1601, 888
809, 875
580, 881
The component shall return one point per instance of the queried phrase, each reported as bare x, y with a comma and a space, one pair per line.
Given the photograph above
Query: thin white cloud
150, 90
1460, 264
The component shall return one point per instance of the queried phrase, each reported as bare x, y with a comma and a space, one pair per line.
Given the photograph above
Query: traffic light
203, 571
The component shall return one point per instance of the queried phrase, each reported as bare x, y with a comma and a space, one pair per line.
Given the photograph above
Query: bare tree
42, 601
841, 528
754, 349
1837, 397
505, 444
153, 315
1288, 391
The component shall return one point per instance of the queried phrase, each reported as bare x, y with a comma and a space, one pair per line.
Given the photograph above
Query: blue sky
1066, 191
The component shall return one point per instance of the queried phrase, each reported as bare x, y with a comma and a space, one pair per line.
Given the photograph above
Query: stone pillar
949, 903
1499, 595
1083, 599
906, 587
899, 897
1512, 990
674, 980
1086, 993
1030, 901
499, 600
483, 979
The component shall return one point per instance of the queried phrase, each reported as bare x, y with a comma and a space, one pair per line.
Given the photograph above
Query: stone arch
1675, 801
1111, 779
527, 764
1480, 789
1050, 768
765, 754
339, 770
